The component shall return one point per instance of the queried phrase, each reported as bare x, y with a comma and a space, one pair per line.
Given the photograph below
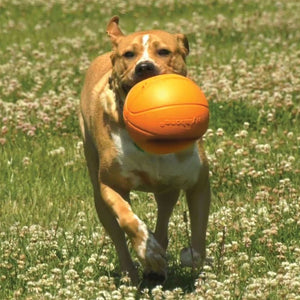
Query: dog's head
141, 55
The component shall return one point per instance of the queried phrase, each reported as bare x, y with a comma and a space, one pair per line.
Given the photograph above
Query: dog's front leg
149, 252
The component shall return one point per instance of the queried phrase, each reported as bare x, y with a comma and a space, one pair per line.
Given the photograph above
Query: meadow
245, 54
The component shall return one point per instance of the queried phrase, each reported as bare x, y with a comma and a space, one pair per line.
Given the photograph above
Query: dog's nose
145, 69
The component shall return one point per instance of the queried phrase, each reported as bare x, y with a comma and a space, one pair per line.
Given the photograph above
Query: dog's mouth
127, 87
144, 77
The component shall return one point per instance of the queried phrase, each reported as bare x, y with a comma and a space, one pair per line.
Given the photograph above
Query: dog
116, 165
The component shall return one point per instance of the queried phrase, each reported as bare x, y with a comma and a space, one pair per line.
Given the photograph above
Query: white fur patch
145, 55
145, 40
141, 251
108, 100
166, 170
150, 253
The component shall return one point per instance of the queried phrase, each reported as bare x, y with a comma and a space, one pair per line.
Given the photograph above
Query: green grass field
245, 54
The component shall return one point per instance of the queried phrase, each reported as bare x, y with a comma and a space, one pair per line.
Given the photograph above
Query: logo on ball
180, 122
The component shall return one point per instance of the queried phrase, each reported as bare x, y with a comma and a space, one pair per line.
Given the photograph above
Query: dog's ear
183, 44
113, 29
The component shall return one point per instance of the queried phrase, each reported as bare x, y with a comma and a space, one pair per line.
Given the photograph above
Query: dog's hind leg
165, 204
198, 200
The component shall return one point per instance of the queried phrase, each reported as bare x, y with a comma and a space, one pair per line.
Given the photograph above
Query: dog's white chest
150, 172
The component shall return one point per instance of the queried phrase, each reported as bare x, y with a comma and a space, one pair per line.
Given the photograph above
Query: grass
245, 55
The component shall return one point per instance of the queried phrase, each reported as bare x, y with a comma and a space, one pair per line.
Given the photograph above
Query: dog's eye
129, 54
163, 52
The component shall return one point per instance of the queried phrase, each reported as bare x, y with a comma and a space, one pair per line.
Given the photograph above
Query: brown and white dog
116, 166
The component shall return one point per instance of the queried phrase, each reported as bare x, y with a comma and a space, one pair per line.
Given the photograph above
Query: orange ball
166, 113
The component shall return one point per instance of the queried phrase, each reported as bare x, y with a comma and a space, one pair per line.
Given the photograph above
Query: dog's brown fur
116, 166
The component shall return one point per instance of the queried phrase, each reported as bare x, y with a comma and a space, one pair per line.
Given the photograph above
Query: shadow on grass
178, 277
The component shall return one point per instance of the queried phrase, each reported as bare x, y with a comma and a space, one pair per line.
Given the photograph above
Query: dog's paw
150, 253
190, 258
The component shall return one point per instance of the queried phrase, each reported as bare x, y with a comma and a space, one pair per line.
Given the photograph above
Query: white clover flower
291, 159
270, 117
69, 163
59, 151
79, 145
56, 271
243, 133
220, 132
263, 131
262, 211
239, 152
246, 125
209, 133
93, 259
219, 152
26, 161
88, 271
